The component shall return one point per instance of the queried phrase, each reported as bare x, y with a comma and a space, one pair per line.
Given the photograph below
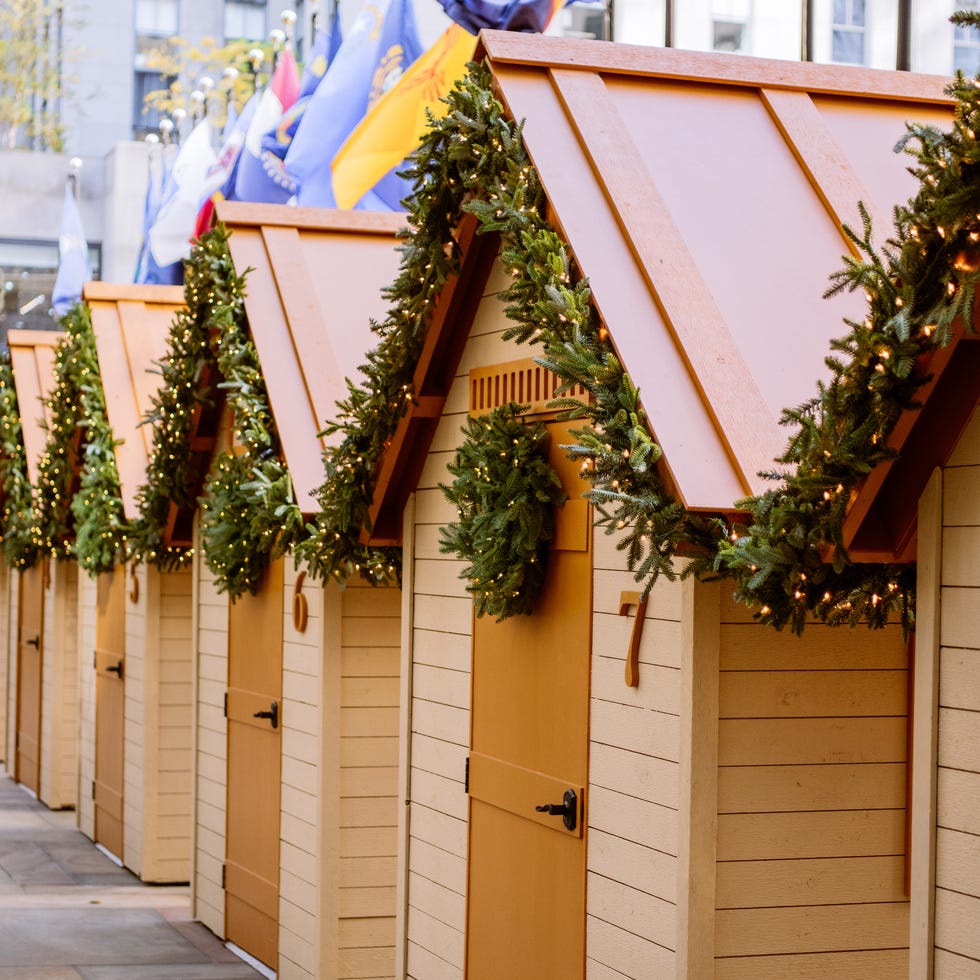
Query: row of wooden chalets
371, 781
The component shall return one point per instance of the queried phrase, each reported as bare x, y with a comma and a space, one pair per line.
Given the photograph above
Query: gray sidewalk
66, 911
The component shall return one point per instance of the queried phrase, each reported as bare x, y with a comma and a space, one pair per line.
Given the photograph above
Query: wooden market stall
43, 676
296, 763
741, 811
135, 625
925, 507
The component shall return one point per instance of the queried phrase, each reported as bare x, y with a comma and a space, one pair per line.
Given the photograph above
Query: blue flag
530, 16
277, 141
381, 45
74, 269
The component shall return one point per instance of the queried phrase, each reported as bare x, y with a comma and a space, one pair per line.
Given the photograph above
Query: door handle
117, 669
36, 642
567, 809
272, 714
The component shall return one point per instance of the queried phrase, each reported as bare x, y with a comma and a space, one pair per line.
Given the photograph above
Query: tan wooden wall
5, 577
441, 662
11, 600
957, 868
59, 688
157, 761
300, 850
633, 779
87, 602
811, 803
210, 762
368, 805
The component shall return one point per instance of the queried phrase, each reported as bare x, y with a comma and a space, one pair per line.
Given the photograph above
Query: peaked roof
313, 288
131, 325
703, 196
32, 356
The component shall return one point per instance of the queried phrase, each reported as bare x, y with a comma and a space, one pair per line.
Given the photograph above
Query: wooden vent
524, 382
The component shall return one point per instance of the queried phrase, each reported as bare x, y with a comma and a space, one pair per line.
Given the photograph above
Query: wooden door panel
110, 704
29, 658
254, 770
519, 791
529, 744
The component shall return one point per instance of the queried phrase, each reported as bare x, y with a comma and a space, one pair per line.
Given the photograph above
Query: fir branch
19, 548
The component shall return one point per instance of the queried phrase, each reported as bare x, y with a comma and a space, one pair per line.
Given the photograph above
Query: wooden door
29, 644
110, 657
254, 765
529, 746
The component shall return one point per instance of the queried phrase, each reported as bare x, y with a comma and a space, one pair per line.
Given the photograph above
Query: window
848, 32
730, 25
587, 20
966, 43
27, 273
156, 24
245, 19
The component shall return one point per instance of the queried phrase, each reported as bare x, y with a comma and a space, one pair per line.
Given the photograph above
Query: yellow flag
393, 126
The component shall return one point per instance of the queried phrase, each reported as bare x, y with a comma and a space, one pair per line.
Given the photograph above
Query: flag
530, 16
277, 141
381, 45
147, 271
390, 132
73, 265
252, 182
170, 236
394, 126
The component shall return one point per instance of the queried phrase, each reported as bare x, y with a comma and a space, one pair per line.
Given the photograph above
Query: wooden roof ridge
131, 324
32, 356
707, 268
314, 287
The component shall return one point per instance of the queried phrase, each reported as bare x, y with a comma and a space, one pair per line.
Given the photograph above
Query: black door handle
567, 809
272, 714
36, 642
117, 669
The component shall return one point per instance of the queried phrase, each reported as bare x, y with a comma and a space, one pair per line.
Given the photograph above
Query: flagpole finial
166, 130
288, 18
277, 37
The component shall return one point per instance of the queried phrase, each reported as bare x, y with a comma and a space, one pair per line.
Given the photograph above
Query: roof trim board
32, 356
131, 323
308, 345
509, 47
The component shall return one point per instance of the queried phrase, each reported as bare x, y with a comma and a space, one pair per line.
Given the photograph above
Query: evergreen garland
19, 550
53, 530
473, 160
249, 514
505, 494
101, 528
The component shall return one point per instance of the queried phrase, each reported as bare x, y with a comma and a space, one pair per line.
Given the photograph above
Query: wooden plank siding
633, 778
957, 871
5, 577
300, 870
12, 601
210, 784
811, 802
370, 634
59, 688
87, 601
441, 662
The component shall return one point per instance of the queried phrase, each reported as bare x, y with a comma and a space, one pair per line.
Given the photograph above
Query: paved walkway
66, 911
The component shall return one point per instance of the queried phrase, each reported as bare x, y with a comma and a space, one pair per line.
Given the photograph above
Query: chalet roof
131, 325
314, 287
703, 196
32, 356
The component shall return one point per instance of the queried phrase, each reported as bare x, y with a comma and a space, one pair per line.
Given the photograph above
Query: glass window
144, 82
244, 19
727, 35
27, 273
848, 32
156, 17
966, 43
586, 20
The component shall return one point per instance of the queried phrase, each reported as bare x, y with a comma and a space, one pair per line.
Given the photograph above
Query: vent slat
524, 382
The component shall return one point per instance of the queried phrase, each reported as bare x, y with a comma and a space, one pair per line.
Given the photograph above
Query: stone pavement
67, 911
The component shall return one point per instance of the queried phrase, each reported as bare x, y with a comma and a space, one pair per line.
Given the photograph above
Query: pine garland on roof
19, 550
473, 160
